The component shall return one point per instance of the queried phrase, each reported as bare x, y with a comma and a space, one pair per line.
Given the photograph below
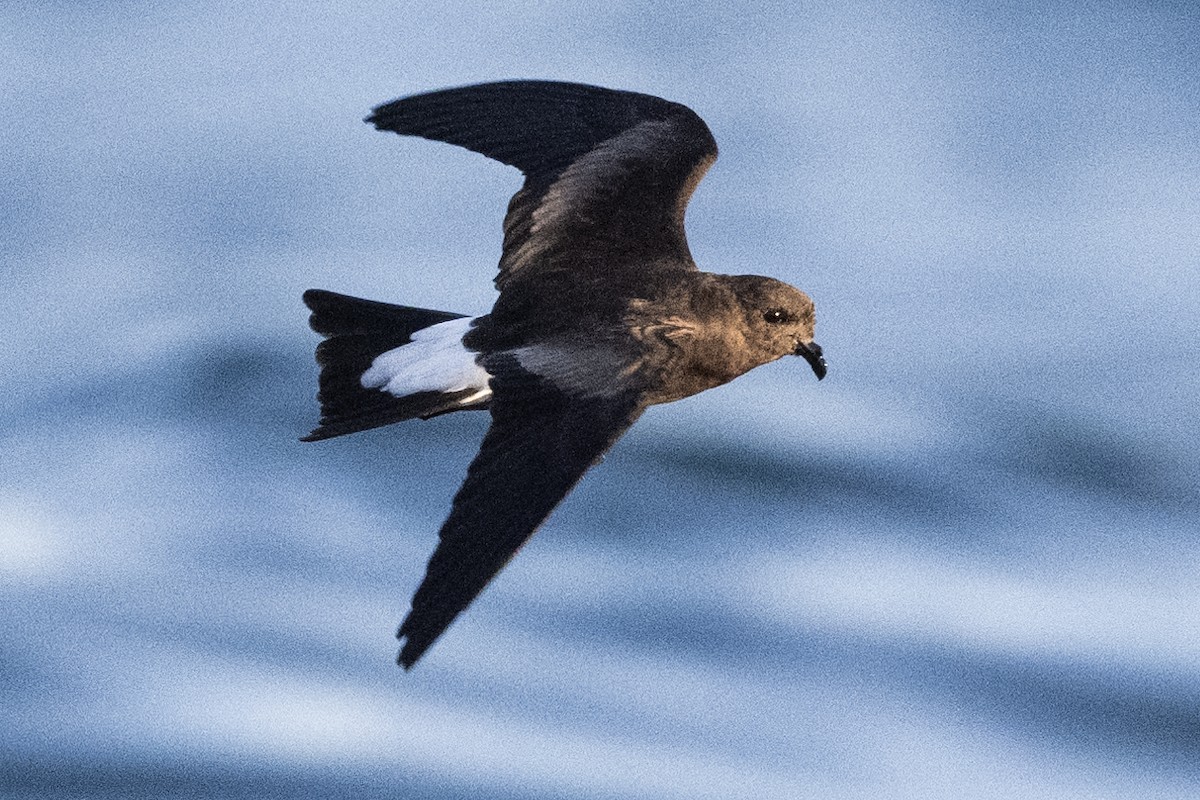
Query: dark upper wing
541, 442
608, 174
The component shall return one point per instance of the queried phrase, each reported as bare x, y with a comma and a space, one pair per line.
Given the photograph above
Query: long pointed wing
608, 174
541, 442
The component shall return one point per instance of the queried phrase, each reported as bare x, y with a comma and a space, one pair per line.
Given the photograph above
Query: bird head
779, 320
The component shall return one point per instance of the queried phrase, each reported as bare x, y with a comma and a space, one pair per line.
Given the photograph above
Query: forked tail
383, 363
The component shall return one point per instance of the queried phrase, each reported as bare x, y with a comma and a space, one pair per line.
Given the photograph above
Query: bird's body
601, 313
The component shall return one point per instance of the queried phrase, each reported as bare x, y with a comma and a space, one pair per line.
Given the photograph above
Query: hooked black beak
811, 352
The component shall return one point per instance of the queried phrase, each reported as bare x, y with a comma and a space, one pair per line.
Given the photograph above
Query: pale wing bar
608, 173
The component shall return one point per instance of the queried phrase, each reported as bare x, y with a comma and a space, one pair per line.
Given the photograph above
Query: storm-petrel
601, 313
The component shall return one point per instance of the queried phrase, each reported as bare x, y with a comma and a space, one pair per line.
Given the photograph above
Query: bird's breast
682, 356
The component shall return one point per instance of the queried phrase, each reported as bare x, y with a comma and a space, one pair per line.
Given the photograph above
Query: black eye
777, 316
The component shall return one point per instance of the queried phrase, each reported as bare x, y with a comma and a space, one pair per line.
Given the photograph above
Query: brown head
779, 320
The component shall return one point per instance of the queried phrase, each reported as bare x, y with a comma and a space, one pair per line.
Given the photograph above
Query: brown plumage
601, 313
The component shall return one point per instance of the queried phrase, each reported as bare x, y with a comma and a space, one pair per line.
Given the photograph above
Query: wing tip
411, 651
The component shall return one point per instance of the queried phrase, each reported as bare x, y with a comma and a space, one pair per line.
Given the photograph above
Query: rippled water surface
965, 565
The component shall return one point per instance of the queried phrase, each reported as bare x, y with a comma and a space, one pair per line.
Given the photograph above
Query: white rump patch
434, 361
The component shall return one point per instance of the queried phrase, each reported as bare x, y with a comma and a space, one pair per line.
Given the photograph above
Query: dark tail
356, 332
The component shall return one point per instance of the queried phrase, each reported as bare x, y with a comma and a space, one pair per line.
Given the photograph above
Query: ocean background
966, 565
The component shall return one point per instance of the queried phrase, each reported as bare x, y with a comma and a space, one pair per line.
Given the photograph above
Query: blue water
965, 565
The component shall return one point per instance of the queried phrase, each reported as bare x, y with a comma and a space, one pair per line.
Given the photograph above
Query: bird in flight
601, 312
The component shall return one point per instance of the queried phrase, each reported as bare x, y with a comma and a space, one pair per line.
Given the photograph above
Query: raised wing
608, 174
541, 442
